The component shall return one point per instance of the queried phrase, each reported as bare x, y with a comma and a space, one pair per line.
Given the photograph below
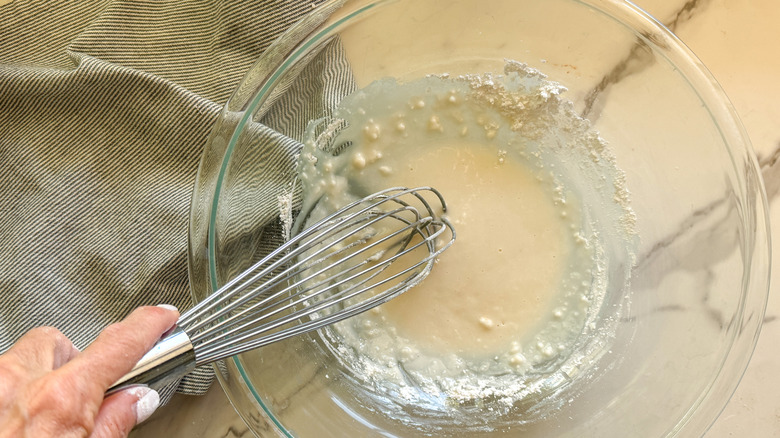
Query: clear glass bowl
700, 283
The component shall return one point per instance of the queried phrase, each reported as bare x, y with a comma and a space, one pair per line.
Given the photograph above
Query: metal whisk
352, 260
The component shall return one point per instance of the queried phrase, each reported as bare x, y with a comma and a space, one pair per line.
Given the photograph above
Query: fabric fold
105, 108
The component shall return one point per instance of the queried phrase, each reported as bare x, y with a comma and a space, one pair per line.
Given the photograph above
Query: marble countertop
737, 41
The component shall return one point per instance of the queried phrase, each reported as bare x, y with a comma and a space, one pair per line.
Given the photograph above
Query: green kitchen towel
105, 107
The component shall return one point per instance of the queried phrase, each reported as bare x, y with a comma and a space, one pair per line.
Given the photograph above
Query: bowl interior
689, 319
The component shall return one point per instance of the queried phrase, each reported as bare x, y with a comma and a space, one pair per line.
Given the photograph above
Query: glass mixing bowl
700, 279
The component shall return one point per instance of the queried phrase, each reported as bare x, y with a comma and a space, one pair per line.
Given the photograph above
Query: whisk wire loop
280, 259
359, 257
322, 227
267, 307
350, 290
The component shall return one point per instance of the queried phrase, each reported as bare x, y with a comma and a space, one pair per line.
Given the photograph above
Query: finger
43, 349
34, 355
123, 410
119, 347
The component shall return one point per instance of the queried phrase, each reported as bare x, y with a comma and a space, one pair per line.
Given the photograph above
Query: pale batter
501, 279
512, 301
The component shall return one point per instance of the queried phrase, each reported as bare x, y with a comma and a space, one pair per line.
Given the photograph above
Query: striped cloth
105, 107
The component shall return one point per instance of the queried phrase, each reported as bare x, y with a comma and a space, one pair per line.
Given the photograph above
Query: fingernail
148, 401
168, 306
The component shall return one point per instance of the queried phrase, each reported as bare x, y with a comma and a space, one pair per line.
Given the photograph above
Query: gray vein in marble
660, 309
637, 59
686, 13
685, 227
715, 314
770, 170
701, 226
232, 432
259, 425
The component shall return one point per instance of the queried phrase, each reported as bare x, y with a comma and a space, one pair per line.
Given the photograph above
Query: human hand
50, 389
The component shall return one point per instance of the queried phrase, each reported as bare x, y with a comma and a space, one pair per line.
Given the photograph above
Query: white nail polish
168, 306
148, 401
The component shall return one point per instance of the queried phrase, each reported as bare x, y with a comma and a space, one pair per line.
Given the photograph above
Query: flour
540, 204
285, 203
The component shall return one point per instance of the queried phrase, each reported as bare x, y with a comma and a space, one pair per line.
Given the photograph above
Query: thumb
121, 411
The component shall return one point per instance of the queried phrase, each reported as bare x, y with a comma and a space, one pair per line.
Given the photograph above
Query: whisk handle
170, 359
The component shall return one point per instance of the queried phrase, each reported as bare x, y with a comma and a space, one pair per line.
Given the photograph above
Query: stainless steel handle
169, 360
